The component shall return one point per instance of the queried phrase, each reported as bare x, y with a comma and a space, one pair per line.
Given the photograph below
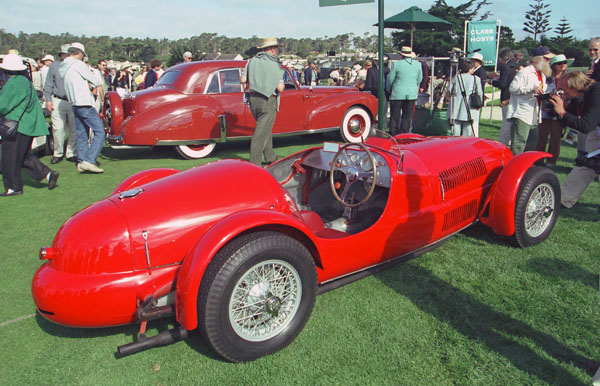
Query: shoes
72, 159
56, 160
52, 180
10, 192
85, 166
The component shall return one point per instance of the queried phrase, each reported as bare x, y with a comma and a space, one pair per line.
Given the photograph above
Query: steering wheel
352, 173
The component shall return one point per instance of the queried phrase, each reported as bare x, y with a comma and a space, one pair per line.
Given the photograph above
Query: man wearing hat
403, 82
264, 79
78, 77
61, 111
47, 61
187, 57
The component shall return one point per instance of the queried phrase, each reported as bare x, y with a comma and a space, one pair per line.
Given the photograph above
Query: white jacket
77, 75
523, 103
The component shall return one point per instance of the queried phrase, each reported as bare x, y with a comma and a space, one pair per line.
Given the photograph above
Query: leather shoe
72, 159
56, 160
52, 180
13, 193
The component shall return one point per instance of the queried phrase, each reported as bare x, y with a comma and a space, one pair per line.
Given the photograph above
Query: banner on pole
328, 3
482, 35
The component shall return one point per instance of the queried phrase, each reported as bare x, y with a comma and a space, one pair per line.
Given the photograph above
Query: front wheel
256, 295
356, 125
195, 151
536, 207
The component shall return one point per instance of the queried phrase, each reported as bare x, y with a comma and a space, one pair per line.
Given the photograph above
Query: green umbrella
411, 18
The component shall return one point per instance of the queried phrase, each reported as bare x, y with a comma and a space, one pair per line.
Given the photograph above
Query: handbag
9, 127
474, 99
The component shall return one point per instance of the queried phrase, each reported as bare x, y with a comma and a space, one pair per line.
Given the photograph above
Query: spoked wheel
195, 151
356, 125
537, 206
256, 295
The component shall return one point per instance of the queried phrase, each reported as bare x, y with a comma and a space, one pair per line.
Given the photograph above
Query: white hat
187, 54
407, 52
64, 48
268, 42
79, 46
477, 56
48, 57
124, 65
12, 62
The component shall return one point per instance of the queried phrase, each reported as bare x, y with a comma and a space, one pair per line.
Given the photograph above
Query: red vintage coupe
239, 252
196, 105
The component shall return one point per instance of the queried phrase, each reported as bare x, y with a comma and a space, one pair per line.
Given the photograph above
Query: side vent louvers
459, 214
461, 174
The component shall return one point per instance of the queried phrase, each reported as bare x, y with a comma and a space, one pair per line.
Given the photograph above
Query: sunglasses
593, 49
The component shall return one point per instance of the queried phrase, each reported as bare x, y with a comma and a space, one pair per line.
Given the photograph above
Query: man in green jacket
264, 76
18, 102
403, 82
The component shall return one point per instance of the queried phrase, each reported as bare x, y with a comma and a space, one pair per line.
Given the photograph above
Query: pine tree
537, 20
564, 29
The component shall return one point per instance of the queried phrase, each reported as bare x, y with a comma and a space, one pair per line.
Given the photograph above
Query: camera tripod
454, 60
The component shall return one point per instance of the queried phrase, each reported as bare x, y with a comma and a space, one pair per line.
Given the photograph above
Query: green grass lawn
475, 311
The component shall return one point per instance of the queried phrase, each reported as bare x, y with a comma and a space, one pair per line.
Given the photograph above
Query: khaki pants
264, 111
63, 120
580, 177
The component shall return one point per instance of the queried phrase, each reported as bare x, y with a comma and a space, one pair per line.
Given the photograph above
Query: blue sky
175, 19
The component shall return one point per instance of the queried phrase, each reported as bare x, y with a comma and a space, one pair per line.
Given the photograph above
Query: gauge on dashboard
365, 163
353, 157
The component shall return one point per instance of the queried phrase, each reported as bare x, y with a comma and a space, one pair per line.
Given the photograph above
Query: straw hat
268, 42
476, 56
12, 62
48, 57
64, 48
407, 52
13, 51
124, 65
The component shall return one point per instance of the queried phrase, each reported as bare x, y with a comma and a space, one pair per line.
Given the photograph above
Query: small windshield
167, 78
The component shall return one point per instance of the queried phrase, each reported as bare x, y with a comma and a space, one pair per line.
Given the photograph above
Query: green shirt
264, 73
15, 98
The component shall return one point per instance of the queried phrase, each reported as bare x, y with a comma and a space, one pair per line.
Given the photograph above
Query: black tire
234, 270
537, 206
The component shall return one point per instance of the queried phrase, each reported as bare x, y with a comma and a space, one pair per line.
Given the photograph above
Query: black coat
584, 116
482, 76
596, 74
372, 80
508, 71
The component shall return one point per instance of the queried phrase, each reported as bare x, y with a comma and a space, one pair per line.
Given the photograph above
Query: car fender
113, 101
328, 112
502, 196
195, 263
144, 177
174, 123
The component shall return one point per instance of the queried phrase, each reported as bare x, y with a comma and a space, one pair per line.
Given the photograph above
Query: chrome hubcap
265, 300
539, 210
355, 126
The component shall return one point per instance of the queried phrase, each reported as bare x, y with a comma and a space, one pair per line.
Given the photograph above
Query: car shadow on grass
582, 212
482, 324
560, 269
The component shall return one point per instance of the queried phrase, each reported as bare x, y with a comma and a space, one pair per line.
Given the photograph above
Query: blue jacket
404, 79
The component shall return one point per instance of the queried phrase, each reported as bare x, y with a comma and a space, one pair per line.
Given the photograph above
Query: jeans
86, 118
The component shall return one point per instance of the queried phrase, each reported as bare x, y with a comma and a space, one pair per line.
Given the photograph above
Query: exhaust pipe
164, 338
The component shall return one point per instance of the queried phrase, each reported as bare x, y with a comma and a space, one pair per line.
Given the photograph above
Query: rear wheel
256, 295
537, 206
195, 151
355, 125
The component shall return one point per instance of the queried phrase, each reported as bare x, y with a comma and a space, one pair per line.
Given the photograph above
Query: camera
545, 99
591, 160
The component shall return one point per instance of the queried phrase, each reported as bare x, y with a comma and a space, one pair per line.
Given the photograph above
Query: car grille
461, 174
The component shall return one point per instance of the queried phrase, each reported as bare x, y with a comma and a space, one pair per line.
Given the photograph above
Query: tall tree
537, 19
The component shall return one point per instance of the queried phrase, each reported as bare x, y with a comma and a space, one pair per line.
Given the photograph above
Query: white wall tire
195, 151
355, 125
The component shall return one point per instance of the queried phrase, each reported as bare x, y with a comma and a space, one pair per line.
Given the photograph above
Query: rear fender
502, 196
114, 118
144, 177
196, 261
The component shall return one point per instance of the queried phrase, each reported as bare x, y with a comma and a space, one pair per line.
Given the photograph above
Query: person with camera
551, 125
524, 108
583, 117
462, 88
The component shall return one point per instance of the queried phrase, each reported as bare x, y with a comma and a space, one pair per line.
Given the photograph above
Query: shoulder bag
474, 99
9, 127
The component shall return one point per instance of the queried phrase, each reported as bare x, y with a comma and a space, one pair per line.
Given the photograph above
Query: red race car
196, 105
239, 252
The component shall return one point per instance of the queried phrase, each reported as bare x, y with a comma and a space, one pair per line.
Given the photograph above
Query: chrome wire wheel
538, 214
265, 300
